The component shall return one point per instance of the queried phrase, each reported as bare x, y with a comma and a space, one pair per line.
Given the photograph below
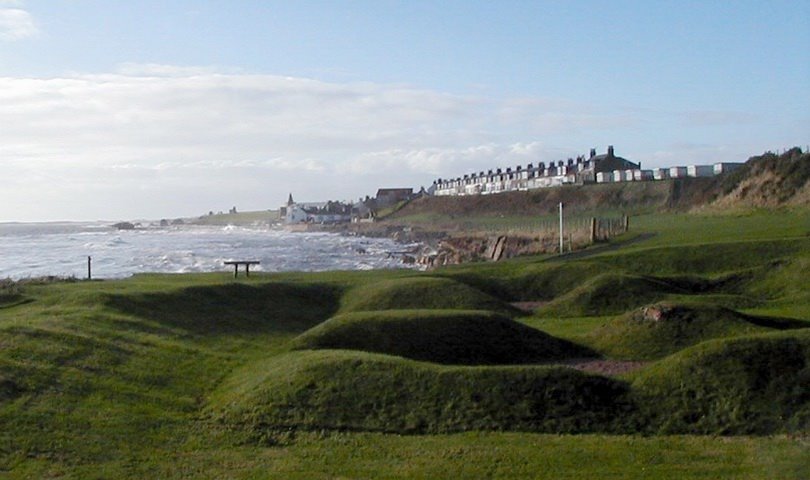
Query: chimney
610, 151
593, 153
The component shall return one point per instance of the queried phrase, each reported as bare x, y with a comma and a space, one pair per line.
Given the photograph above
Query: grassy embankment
303, 375
261, 217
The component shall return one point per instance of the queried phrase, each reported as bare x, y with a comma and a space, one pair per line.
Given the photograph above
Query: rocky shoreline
436, 248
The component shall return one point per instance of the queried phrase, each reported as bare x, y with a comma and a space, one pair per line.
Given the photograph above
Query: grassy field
336, 375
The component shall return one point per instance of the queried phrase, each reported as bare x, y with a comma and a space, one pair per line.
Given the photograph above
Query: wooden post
593, 229
626, 220
89, 270
561, 229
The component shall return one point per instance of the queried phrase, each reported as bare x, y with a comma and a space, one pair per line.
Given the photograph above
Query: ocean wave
28, 252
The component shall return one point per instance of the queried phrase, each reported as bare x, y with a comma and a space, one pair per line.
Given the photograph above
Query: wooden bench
246, 263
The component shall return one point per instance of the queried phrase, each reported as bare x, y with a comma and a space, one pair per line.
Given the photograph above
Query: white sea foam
32, 250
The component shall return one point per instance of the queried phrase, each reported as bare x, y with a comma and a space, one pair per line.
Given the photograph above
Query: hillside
765, 180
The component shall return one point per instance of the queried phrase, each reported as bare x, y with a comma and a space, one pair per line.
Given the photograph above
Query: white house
660, 174
725, 167
677, 172
699, 171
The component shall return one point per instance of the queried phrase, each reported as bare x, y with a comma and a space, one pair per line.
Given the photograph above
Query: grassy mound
441, 336
610, 293
747, 385
335, 389
523, 280
10, 293
421, 292
660, 329
232, 308
708, 258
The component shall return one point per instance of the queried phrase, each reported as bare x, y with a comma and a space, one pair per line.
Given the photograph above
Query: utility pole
561, 229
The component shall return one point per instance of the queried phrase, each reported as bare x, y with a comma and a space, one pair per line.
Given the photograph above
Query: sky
117, 110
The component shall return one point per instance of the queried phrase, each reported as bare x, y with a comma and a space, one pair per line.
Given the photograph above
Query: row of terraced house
604, 168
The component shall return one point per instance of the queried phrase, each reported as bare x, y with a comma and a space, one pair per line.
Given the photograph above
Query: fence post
561, 229
626, 220
593, 229
89, 270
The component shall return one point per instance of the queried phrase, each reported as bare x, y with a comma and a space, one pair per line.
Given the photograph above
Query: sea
30, 250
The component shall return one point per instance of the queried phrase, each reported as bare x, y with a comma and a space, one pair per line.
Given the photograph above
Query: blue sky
118, 109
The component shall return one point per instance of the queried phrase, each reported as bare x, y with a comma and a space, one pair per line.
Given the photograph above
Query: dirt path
605, 367
528, 307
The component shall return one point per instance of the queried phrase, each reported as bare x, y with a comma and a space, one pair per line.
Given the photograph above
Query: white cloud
186, 133
16, 23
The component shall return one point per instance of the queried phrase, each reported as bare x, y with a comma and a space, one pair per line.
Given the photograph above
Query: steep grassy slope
441, 336
361, 391
767, 180
631, 197
745, 385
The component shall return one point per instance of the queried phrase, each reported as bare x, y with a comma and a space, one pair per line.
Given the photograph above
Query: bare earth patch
606, 367
528, 306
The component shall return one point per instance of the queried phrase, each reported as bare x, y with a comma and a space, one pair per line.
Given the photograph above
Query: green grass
743, 385
468, 455
338, 389
420, 292
573, 329
170, 376
673, 229
441, 336
658, 330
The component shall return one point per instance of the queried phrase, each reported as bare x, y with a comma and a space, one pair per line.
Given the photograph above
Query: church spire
290, 200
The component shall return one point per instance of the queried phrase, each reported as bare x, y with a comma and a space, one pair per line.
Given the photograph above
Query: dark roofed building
389, 196
608, 162
605, 163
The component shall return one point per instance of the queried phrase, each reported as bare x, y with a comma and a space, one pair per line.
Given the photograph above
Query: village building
387, 197
726, 167
604, 168
699, 171
315, 212
593, 169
